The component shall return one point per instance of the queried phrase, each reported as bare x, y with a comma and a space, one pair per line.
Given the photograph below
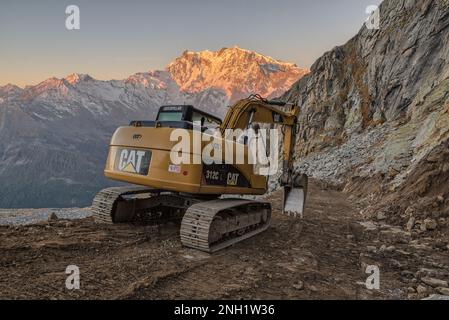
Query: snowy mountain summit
237, 71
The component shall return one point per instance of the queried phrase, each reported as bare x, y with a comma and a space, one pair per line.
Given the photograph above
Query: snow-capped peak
74, 78
239, 72
151, 79
10, 89
47, 85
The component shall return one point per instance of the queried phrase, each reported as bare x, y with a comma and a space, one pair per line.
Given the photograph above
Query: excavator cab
182, 117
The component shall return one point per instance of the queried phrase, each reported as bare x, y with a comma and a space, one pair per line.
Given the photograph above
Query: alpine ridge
237, 71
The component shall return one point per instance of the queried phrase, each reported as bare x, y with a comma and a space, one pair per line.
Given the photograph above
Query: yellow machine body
190, 177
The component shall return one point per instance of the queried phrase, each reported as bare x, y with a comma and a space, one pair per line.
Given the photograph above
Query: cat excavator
213, 198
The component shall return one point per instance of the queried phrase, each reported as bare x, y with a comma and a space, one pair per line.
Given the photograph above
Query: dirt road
323, 256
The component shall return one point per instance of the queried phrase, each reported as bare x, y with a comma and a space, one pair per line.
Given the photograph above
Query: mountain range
54, 135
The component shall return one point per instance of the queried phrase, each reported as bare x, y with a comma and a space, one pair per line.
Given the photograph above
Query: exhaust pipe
294, 197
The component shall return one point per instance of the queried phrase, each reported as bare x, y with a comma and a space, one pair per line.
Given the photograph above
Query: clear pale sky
119, 38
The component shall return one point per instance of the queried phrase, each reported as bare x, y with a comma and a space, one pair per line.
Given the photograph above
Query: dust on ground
323, 256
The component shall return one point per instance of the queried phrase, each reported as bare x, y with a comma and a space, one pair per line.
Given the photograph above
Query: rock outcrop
380, 103
375, 118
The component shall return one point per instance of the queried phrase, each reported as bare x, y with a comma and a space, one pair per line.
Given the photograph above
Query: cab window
170, 116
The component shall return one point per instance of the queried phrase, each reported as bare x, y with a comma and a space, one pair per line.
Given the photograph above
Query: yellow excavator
206, 196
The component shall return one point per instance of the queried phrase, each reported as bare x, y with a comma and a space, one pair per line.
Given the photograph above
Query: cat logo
233, 178
131, 161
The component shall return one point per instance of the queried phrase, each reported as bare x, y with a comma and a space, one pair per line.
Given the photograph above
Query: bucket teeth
294, 197
294, 202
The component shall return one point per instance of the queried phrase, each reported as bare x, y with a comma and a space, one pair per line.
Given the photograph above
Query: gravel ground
295, 259
323, 256
32, 216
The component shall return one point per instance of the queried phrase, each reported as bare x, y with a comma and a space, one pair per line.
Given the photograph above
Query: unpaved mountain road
323, 256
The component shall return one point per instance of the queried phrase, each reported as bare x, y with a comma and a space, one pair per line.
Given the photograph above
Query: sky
119, 38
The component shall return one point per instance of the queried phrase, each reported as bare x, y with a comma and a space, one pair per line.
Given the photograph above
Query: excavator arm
254, 110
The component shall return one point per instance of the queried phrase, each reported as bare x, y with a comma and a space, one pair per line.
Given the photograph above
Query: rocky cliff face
387, 89
377, 108
237, 71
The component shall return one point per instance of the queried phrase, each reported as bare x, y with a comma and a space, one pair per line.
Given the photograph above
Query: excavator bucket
295, 196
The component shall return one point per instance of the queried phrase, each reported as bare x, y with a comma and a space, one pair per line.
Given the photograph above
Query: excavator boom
256, 109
